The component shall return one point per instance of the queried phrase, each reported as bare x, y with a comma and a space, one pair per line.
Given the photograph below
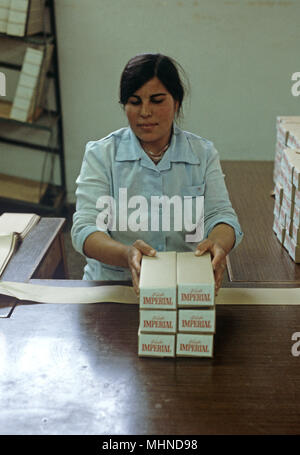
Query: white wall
239, 56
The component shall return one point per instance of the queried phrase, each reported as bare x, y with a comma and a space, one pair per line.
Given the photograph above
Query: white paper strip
126, 294
258, 296
55, 294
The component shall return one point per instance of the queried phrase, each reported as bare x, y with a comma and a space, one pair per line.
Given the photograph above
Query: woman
152, 157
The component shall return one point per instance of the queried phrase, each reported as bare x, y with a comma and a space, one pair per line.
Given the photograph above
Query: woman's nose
145, 110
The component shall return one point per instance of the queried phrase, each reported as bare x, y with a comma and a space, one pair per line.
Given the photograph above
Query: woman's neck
156, 151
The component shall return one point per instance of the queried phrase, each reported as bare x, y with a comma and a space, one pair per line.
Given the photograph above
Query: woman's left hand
218, 259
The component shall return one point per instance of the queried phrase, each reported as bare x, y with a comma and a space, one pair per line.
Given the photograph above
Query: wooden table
74, 369
260, 259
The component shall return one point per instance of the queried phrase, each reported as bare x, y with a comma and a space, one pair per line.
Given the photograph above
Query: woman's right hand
134, 257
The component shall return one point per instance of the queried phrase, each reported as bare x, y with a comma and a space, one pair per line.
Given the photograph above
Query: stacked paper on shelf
17, 17
24, 98
287, 184
28, 97
24, 17
4, 13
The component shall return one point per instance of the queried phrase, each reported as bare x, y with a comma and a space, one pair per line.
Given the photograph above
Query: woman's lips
147, 126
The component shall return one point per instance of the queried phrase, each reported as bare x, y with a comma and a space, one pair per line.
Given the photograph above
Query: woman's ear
176, 107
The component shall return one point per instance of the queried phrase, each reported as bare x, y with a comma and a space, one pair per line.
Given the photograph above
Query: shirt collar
129, 148
180, 150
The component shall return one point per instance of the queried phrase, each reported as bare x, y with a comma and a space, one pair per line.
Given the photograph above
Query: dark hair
143, 67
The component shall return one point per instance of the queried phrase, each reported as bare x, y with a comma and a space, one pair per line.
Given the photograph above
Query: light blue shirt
190, 167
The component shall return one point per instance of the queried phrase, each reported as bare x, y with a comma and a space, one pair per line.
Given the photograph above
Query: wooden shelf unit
40, 196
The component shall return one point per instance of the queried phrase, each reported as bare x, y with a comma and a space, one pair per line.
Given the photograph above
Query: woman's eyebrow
157, 94
151, 96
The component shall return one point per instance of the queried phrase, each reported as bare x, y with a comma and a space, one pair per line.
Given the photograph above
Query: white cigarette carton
296, 218
282, 216
197, 321
297, 198
291, 162
287, 119
287, 242
283, 125
162, 321
277, 207
279, 230
158, 281
287, 205
287, 168
296, 234
289, 226
195, 280
293, 139
292, 248
156, 345
194, 345
278, 193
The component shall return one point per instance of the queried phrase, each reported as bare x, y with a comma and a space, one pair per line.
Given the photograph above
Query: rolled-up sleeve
92, 182
217, 205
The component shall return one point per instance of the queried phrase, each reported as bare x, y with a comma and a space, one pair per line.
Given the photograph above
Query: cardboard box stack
21, 17
177, 309
287, 184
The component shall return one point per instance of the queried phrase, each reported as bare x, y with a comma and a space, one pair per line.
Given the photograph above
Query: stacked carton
196, 309
177, 311
158, 305
287, 184
21, 17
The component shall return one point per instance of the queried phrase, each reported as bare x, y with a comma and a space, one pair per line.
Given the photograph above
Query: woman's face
150, 112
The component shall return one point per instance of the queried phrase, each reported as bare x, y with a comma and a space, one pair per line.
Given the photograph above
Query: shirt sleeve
92, 182
217, 205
